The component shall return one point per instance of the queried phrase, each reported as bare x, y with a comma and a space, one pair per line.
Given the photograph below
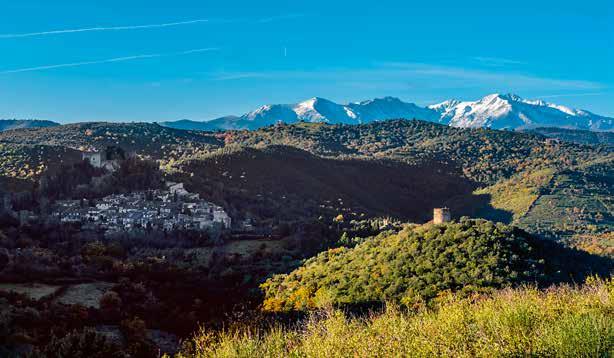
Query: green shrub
410, 267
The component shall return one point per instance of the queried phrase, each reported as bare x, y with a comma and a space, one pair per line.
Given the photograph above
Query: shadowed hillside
485, 156
287, 183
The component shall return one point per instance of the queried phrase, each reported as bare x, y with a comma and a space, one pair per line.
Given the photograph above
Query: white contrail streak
110, 60
572, 95
92, 29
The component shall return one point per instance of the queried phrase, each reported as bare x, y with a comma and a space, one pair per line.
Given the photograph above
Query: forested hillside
555, 188
420, 263
576, 135
145, 138
279, 183
484, 155
516, 177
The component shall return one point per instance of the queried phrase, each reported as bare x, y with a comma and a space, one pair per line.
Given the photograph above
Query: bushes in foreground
564, 322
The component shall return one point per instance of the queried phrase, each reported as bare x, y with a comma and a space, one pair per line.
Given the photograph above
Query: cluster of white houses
171, 209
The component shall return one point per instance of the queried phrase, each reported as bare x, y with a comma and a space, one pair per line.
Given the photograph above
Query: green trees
418, 264
78, 179
64, 182
135, 174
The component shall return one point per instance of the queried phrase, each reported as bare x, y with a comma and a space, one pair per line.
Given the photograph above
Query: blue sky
154, 60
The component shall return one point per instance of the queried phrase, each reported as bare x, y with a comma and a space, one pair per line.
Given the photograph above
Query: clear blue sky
156, 60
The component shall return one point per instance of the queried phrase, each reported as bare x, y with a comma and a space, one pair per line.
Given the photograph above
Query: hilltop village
168, 210
167, 207
172, 209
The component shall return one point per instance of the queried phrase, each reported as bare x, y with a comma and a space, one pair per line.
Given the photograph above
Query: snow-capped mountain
389, 108
493, 111
322, 110
513, 112
314, 110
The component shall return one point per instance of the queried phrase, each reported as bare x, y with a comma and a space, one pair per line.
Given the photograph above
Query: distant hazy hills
576, 136
494, 111
8, 124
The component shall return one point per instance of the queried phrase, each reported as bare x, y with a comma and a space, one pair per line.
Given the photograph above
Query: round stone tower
441, 215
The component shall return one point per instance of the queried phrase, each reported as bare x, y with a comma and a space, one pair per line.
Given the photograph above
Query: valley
319, 216
321, 179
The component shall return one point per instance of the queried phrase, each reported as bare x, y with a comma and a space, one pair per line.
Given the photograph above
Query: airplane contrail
110, 60
92, 29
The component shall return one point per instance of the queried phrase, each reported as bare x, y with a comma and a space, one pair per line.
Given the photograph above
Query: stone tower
94, 158
441, 215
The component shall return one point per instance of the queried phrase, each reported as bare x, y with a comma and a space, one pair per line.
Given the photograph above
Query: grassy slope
599, 244
575, 204
517, 194
562, 322
577, 201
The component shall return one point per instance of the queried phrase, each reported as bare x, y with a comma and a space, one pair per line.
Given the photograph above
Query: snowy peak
383, 100
267, 112
319, 109
390, 108
444, 106
480, 113
510, 111
496, 111
508, 97
322, 110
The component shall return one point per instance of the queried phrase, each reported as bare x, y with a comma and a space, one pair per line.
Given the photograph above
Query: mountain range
496, 111
8, 124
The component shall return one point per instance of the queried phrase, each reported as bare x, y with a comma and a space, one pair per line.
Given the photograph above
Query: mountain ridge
495, 111
9, 124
